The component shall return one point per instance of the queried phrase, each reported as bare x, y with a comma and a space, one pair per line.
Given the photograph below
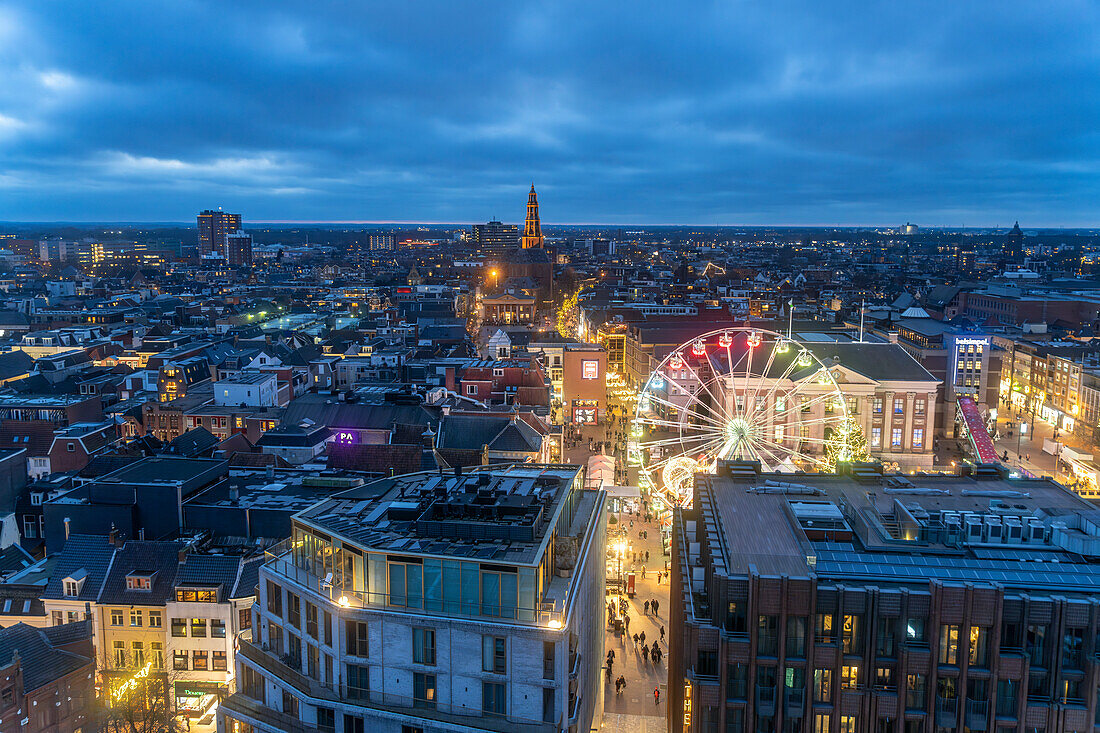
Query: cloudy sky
972, 112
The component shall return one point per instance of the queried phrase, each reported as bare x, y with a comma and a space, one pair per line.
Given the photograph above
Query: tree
142, 703
568, 315
846, 443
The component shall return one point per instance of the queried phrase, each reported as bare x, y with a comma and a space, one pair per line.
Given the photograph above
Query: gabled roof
90, 554
193, 443
39, 659
220, 570
158, 559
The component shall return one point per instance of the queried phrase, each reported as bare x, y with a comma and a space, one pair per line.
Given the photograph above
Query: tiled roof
40, 661
159, 559
210, 569
89, 553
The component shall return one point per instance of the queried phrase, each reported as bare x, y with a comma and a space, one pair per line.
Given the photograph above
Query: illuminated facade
213, 226
532, 228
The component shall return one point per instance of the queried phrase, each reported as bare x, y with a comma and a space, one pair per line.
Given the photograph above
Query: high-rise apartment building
238, 248
861, 603
494, 237
432, 602
381, 242
213, 226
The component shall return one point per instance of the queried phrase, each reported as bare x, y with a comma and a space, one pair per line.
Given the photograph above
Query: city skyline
974, 115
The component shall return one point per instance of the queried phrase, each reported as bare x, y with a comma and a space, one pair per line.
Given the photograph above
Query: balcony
947, 711
736, 689
279, 560
260, 717
977, 714
794, 701
765, 700
386, 702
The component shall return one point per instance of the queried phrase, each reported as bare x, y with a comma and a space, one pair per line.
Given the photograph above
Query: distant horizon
551, 225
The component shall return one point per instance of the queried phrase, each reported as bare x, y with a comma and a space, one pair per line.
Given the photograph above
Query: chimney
892, 336
112, 536
68, 523
270, 471
234, 493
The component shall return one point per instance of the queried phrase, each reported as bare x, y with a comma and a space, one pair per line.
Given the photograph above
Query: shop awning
622, 492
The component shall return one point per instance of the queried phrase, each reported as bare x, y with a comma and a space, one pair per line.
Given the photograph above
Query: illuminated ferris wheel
735, 393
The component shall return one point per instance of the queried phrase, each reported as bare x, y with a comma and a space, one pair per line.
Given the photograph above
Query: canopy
622, 492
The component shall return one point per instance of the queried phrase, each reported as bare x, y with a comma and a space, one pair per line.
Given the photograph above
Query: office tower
213, 226
965, 257
862, 602
381, 242
532, 229
238, 248
434, 602
495, 237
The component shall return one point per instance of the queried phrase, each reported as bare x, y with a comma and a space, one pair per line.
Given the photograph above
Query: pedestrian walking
646, 607
655, 604
626, 622
623, 681
642, 637
609, 674
611, 654
662, 633
657, 695
635, 640
647, 555
643, 572
645, 654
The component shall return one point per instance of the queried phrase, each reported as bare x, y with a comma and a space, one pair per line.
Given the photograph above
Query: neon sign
591, 369
133, 682
345, 437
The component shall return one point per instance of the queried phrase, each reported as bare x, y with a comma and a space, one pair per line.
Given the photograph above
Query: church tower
532, 230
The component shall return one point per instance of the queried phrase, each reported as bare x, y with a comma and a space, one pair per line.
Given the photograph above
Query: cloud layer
731, 112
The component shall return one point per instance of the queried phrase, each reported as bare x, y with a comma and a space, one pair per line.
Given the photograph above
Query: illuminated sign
687, 705
590, 369
133, 682
345, 437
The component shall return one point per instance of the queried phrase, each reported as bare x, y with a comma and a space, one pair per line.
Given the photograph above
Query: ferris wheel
735, 393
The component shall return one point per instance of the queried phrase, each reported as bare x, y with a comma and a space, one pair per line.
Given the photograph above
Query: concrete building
863, 603
494, 237
432, 602
213, 226
249, 389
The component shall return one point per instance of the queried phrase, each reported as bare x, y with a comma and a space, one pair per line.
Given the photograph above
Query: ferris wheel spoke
686, 408
800, 455
762, 377
805, 406
678, 439
783, 377
702, 449
717, 404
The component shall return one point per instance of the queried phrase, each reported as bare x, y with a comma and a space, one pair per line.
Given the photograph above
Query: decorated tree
846, 443
568, 314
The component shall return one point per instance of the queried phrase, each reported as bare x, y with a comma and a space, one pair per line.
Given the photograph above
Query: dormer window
71, 585
36, 498
139, 581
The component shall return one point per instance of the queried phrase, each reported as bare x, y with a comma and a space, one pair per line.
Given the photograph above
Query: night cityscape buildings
785, 420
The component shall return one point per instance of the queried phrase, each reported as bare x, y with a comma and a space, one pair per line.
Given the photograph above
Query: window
30, 530
196, 595
138, 649
120, 654
876, 437
290, 704
493, 655
353, 724
156, 648
252, 682
72, 587
356, 636
899, 406
737, 679
895, 438
767, 631
821, 723
358, 682
823, 685
849, 677
424, 646
244, 618
877, 406
706, 664
217, 662
796, 636
198, 628
884, 678
915, 691
949, 644
217, 628
847, 724
274, 599
494, 699
179, 660
850, 634
156, 620
135, 617
423, 690
57, 618
914, 631
118, 618
1007, 693
311, 620
326, 720
139, 582
471, 389
824, 631
979, 646
293, 610
328, 628
199, 660
918, 437
736, 619
179, 627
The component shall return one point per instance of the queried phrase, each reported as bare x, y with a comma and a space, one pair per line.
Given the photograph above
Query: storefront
195, 698
585, 412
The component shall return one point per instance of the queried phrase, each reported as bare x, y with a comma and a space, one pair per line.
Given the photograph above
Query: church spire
532, 229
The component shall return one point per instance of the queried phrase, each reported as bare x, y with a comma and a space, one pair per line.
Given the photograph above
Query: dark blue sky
971, 112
